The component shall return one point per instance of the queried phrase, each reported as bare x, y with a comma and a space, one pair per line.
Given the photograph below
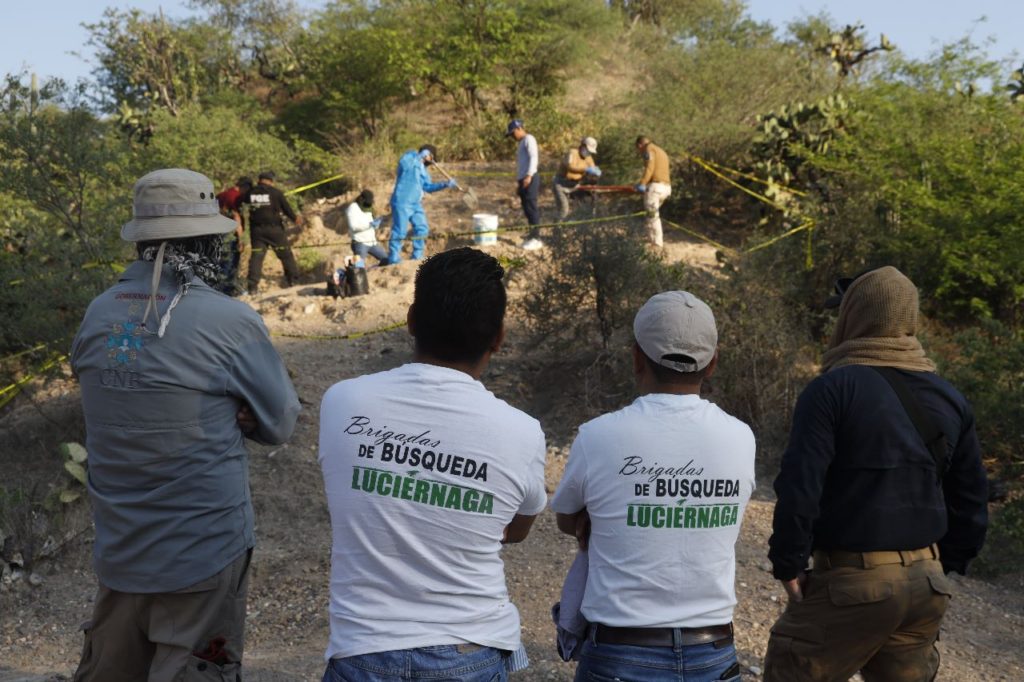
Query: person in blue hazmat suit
411, 181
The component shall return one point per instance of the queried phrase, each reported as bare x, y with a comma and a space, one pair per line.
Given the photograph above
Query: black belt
719, 635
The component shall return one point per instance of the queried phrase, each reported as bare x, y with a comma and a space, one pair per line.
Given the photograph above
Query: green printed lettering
658, 517
454, 500
716, 517
691, 517
703, 517
384, 480
369, 480
437, 494
630, 521
422, 493
677, 517
486, 504
355, 478
470, 500
407, 484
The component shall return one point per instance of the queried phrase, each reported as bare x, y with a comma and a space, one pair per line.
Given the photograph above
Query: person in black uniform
882, 485
266, 229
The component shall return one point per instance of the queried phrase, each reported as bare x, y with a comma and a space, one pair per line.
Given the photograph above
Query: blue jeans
624, 663
443, 663
377, 251
528, 197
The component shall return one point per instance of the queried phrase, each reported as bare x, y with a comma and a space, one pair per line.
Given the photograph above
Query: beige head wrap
877, 324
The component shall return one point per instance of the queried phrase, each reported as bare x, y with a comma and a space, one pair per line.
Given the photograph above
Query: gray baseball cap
676, 330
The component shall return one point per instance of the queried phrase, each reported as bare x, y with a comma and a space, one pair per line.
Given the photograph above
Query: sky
917, 27
43, 35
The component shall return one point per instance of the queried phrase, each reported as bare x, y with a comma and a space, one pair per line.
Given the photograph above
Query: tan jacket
574, 166
656, 168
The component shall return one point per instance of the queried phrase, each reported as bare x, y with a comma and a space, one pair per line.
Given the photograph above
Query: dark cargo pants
879, 618
270, 238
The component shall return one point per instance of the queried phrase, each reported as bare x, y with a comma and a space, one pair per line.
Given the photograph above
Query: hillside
287, 624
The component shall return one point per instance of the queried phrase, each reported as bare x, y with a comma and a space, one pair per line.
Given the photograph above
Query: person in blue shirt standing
411, 181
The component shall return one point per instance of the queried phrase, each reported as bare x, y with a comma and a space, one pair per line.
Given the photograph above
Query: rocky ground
287, 623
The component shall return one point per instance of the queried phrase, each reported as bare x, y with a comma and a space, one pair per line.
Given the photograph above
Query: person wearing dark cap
881, 487
412, 180
655, 494
174, 376
266, 229
527, 185
362, 227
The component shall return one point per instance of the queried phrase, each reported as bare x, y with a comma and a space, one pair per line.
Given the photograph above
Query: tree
222, 142
67, 189
151, 62
363, 62
846, 49
265, 38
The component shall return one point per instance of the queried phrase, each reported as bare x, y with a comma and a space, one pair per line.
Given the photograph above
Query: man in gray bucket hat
174, 376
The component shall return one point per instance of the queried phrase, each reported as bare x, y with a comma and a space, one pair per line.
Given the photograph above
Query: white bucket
485, 227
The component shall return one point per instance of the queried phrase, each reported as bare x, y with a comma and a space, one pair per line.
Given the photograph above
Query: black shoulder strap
934, 438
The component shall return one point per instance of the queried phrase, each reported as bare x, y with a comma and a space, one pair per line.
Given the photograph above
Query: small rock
309, 309
754, 670
35, 580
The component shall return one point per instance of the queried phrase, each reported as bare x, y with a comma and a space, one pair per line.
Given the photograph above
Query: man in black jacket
266, 229
882, 513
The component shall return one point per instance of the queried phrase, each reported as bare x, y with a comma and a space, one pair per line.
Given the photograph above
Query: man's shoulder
221, 310
632, 417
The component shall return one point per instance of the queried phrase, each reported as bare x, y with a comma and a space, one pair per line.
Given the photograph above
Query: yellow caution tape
747, 176
808, 225
7, 393
730, 181
700, 236
12, 356
455, 235
315, 184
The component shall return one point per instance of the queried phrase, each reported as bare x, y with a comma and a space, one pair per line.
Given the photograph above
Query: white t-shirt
665, 480
423, 469
359, 226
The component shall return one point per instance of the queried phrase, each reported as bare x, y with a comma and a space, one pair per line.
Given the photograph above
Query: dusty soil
287, 623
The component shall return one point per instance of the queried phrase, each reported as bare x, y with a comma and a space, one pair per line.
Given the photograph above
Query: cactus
847, 49
1016, 85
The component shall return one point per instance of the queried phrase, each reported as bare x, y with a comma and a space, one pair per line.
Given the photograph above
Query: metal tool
468, 195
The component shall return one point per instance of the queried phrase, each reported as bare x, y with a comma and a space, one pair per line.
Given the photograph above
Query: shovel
468, 195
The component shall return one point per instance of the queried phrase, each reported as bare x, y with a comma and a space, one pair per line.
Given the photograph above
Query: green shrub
584, 303
986, 363
1004, 545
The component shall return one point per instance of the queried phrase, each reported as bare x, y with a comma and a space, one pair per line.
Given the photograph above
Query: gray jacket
168, 468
